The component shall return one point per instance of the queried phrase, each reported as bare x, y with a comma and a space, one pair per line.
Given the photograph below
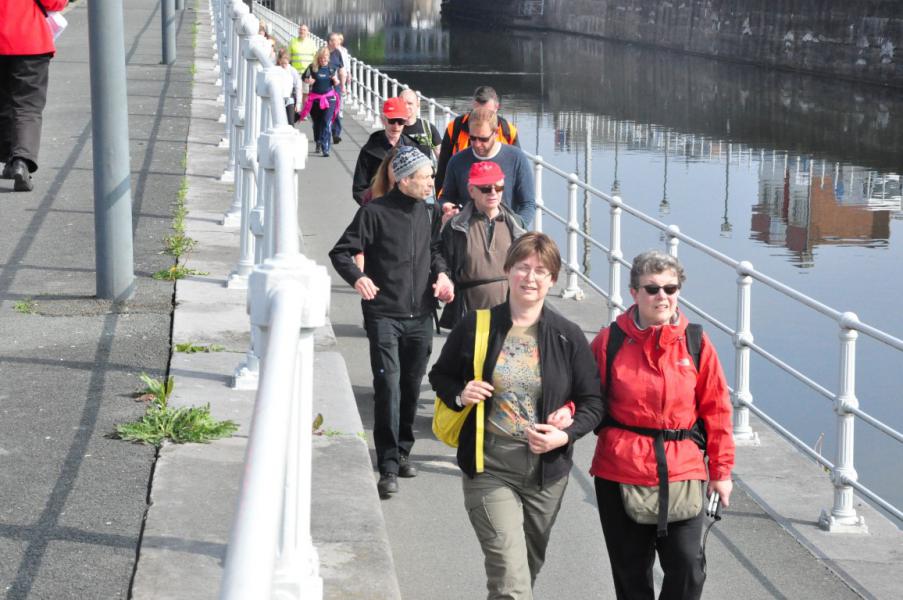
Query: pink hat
395, 108
484, 172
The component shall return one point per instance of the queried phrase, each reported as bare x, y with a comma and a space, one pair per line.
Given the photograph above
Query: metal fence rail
369, 88
270, 553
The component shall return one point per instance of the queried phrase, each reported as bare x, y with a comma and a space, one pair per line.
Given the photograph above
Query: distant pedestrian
26, 47
262, 30
404, 275
540, 387
394, 116
322, 100
484, 145
457, 134
337, 61
476, 242
292, 89
655, 386
302, 50
419, 128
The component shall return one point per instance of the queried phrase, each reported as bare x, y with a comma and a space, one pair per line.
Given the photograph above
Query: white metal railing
369, 87
270, 553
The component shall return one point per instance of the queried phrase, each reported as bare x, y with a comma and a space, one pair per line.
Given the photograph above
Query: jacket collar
461, 221
663, 334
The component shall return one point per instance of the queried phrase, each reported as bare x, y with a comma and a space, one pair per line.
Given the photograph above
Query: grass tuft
26, 306
180, 425
192, 348
175, 272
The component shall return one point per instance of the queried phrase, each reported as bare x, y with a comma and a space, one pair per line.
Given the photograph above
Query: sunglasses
487, 189
396, 121
480, 138
652, 290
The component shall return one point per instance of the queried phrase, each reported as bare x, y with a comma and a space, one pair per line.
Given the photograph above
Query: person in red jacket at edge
26, 47
655, 385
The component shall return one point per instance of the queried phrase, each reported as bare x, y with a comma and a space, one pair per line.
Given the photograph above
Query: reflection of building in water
803, 204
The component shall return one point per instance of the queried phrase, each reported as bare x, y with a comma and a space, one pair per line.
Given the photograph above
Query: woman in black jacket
541, 389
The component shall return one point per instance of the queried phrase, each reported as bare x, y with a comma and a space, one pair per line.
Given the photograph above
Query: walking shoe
405, 468
319, 147
336, 139
388, 484
22, 177
326, 153
7, 170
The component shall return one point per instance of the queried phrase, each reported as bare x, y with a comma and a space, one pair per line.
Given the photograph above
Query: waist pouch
641, 502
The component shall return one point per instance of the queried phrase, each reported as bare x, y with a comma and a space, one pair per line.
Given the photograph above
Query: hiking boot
21, 176
388, 484
405, 468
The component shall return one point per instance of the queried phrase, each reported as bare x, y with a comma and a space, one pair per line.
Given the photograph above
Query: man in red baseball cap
475, 242
394, 118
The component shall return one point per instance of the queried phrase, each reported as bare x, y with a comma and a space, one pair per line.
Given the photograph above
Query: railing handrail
366, 90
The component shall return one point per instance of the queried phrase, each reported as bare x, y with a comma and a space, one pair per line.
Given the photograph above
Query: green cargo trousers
511, 516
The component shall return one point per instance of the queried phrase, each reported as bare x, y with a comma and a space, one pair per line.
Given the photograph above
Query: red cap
395, 108
485, 172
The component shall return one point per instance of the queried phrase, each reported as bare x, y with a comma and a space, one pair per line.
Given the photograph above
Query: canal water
797, 174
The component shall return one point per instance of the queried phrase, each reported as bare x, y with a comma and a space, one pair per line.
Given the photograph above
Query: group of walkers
450, 222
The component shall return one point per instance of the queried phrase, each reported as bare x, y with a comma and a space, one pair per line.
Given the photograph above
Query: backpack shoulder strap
694, 342
456, 130
615, 341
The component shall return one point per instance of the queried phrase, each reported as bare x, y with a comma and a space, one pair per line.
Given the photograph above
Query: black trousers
23, 94
399, 352
632, 547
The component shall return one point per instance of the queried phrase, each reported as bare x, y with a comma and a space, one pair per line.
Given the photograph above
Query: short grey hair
653, 262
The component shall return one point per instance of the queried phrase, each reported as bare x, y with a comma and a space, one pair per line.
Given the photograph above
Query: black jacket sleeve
361, 181
352, 242
585, 387
453, 369
438, 264
445, 153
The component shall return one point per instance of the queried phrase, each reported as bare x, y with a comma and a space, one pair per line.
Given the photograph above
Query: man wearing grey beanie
405, 274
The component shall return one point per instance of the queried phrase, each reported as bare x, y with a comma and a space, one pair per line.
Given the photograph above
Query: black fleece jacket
371, 155
396, 233
569, 372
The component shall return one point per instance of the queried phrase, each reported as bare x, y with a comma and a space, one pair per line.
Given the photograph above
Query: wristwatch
459, 402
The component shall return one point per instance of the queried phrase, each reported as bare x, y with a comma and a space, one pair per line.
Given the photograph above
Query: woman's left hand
724, 488
543, 437
561, 418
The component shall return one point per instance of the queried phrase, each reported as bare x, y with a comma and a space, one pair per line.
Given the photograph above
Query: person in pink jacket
26, 47
655, 394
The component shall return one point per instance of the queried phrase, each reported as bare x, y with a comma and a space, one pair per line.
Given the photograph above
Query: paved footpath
72, 500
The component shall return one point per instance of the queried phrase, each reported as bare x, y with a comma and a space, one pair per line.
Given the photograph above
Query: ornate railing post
742, 396
672, 242
615, 254
239, 10
573, 288
247, 27
843, 516
238, 278
540, 203
432, 111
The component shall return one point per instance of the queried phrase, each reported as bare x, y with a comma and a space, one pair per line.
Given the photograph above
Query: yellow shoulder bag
447, 423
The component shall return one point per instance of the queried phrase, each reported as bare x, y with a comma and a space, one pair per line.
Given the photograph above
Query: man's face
482, 138
303, 32
394, 125
333, 42
486, 198
420, 184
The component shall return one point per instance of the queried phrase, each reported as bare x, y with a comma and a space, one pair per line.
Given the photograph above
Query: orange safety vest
506, 133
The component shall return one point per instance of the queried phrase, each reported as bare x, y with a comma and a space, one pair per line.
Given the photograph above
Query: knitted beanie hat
408, 160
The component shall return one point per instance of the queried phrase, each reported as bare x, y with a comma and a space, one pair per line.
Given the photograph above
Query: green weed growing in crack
181, 425
26, 306
192, 348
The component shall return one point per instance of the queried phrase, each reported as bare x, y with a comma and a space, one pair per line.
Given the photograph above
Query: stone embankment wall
853, 39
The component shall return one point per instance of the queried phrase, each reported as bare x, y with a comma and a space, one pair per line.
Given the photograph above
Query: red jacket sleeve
714, 406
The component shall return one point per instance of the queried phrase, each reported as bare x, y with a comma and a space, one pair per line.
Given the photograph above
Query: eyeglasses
487, 189
396, 121
670, 289
480, 138
538, 272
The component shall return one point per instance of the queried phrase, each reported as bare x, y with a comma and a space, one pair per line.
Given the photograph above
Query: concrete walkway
72, 501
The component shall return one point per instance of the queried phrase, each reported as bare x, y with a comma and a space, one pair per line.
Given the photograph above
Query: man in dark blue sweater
519, 186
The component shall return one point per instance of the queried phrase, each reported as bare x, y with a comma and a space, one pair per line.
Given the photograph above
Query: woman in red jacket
26, 46
655, 396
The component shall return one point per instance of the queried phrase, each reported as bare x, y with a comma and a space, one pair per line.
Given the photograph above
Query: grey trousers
511, 516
